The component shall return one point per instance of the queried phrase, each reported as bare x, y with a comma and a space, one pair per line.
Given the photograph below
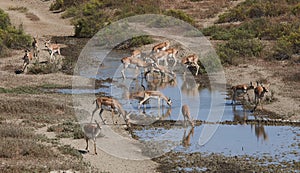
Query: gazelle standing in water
148, 94
259, 93
187, 115
241, 89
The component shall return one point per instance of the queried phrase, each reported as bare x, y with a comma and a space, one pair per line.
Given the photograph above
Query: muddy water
281, 143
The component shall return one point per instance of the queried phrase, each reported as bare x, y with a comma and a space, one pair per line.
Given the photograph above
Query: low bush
11, 37
286, 46
255, 9
231, 51
180, 15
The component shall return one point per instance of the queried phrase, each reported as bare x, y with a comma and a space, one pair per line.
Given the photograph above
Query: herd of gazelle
33, 53
160, 52
259, 92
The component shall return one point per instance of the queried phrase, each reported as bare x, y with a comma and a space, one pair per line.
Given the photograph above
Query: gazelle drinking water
187, 115
106, 103
148, 94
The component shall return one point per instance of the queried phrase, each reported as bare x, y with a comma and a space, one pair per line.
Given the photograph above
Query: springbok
148, 94
136, 53
241, 89
172, 52
163, 70
110, 104
191, 60
259, 93
35, 47
134, 61
161, 46
187, 115
91, 131
160, 56
28, 57
53, 48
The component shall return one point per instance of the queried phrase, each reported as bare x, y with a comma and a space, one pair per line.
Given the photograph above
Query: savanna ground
39, 131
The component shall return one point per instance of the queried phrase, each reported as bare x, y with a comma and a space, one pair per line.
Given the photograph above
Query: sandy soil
287, 105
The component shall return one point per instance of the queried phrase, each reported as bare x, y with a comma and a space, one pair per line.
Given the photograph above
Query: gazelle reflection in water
260, 132
239, 115
186, 139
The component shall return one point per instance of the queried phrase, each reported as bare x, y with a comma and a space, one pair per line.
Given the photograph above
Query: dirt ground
281, 76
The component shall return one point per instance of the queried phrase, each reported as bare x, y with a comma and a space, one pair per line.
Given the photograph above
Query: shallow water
279, 142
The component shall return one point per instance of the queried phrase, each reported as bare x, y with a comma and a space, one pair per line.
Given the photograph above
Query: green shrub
140, 41
16, 38
296, 10
11, 37
234, 49
254, 9
58, 4
180, 15
286, 46
4, 20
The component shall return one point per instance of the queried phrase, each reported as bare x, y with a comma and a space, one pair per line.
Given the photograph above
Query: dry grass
22, 151
22, 9
18, 8
38, 110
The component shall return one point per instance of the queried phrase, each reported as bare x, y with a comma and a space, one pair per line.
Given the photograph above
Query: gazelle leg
100, 114
123, 70
87, 144
95, 147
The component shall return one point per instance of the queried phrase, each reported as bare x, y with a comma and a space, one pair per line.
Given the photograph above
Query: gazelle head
265, 87
169, 102
47, 43
251, 86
